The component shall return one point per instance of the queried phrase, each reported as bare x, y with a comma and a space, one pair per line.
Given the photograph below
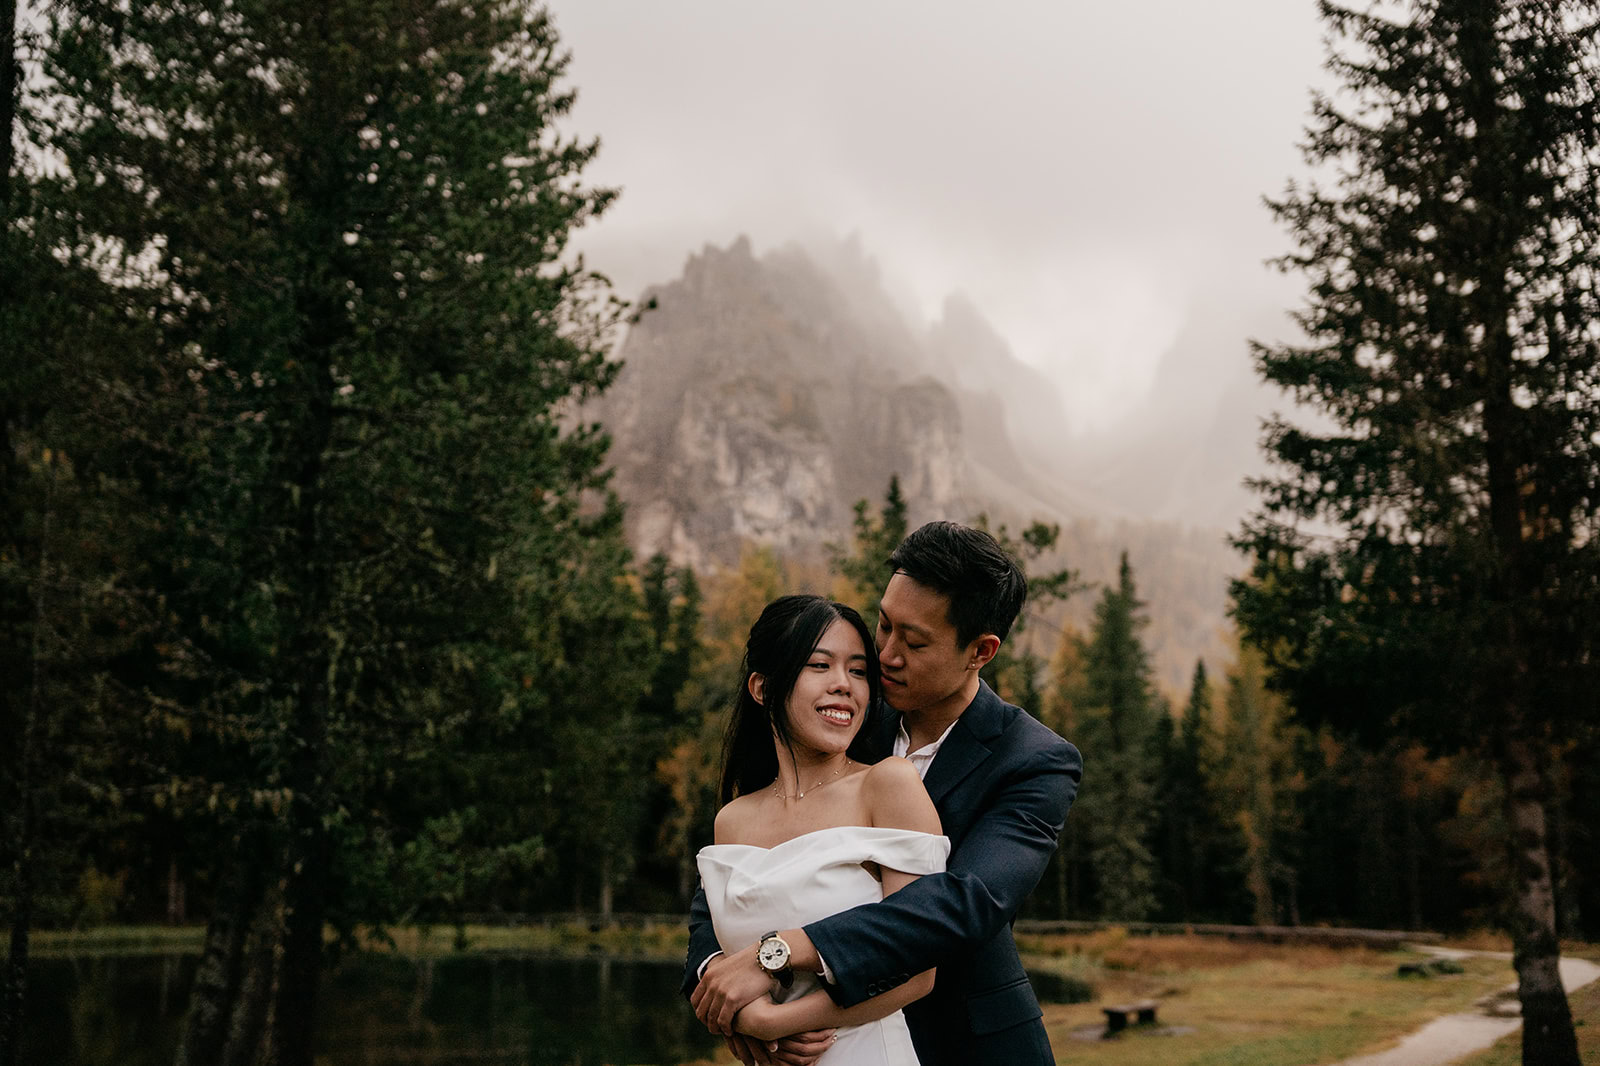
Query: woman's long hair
780, 645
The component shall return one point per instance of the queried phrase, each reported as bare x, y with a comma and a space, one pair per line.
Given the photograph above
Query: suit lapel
876, 740
966, 745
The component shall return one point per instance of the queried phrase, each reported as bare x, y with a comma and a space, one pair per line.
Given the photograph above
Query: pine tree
1451, 351
341, 229
1258, 782
75, 605
1117, 722
1186, 834
1060, 708
1016, 669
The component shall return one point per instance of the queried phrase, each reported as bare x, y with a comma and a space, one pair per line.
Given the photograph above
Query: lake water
503, 1010
495, 1009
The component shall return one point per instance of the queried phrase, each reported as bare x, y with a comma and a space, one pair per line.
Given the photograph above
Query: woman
805, 831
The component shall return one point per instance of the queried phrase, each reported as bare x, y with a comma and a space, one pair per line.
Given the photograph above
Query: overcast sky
1089, 174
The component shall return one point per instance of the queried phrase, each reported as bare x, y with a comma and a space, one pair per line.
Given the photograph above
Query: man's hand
730, 982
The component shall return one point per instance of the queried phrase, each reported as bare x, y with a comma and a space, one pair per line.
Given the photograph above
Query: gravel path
1455, 1036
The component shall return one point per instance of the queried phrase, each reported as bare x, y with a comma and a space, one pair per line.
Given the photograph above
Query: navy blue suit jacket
1002, 783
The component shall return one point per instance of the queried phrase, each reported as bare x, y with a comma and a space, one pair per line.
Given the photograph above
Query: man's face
921, 663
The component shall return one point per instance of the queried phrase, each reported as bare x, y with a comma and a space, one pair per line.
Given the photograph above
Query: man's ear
982, 650
758, 687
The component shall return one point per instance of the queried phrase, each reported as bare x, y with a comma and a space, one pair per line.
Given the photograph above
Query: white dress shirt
922, 758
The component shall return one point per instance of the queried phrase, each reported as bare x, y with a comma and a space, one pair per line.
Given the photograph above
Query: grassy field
1237, 1003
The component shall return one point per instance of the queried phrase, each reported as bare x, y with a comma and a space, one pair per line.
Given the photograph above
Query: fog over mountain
763, 395
1086, 180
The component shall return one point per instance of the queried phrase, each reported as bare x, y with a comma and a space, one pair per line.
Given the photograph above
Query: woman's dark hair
985, 586
780, 645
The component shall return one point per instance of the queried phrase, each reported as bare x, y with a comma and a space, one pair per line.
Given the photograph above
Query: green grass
118, 940
1247, 1004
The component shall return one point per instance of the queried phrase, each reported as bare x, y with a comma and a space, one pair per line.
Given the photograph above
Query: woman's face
829, 701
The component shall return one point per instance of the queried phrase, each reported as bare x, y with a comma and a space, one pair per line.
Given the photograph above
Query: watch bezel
782, 953
775, 946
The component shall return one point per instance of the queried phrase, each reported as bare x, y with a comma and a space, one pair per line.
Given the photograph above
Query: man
1002, 783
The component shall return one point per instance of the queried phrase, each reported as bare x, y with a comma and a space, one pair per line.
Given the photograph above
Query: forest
317, 616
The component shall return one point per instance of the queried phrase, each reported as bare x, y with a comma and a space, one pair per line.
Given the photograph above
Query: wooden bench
1120, 1017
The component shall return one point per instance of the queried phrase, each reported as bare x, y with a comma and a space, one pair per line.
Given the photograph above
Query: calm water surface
377, 1009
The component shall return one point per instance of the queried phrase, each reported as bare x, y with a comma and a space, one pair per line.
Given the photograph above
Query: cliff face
762, 397
759, 401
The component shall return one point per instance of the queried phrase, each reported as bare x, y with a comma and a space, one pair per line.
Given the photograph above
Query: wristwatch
773, 957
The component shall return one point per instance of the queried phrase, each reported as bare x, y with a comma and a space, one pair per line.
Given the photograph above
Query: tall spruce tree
1117, 721
342, 229
1186, 834
1452, 356
74, 534
1257, 787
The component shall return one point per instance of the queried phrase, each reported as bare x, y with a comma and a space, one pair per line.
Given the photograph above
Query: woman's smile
839, 713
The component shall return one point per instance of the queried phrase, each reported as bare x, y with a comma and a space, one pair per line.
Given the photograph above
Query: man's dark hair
984, 585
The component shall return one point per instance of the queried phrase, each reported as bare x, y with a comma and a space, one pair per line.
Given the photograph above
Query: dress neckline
827, 829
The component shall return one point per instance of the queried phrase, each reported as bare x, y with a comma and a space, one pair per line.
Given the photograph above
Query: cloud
1086, 173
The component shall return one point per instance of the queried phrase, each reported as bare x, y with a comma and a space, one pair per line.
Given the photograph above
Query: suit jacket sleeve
1002, 856
702, 941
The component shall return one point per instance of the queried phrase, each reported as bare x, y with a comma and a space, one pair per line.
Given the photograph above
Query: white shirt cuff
701, 972
827, 974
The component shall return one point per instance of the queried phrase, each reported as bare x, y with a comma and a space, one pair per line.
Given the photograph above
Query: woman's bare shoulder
736, 819
893, 772
896, 797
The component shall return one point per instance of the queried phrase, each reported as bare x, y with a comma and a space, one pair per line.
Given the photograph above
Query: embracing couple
884, 816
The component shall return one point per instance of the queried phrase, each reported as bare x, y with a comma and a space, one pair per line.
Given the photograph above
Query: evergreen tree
1451, 352
864, 569
340, 229
691, 770
1060, 708
1258, 781
1016, 669
1117, 722
75, 604
1186, 834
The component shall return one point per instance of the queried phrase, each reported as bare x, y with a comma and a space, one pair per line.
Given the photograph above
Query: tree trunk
294, 1027
176, 908
1548, 1038
8, 103
249, 1036
607, 889
1413, 866
16, 977
222, 962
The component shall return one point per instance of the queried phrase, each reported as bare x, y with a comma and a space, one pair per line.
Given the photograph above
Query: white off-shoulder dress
753, 890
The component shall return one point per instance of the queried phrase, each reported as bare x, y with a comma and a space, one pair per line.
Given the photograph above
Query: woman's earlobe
757, 686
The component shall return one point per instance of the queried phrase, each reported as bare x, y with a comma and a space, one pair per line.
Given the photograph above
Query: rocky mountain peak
760, 399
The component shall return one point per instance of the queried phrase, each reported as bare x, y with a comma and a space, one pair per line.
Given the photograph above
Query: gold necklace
813, 788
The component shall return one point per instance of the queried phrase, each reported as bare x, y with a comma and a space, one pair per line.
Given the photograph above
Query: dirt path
1454, 1036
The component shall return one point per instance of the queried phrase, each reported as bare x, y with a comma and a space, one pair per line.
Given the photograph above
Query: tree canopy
1426, 552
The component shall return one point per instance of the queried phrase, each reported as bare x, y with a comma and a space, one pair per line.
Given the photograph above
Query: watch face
774, 954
